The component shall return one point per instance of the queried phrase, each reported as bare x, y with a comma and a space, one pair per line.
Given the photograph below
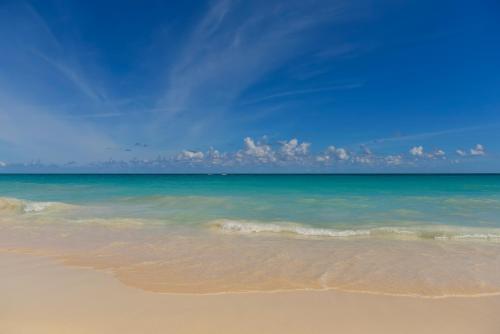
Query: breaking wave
295, 229
18, 206
253, 227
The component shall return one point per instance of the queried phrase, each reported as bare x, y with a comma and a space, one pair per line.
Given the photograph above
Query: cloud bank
262, 155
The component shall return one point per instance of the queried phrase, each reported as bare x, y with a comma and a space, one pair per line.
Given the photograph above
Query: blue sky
250, 85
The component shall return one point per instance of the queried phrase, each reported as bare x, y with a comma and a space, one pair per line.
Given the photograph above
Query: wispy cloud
75, 77
35, 108
427, 135
303, 92
37, 39
233, 46
33, 133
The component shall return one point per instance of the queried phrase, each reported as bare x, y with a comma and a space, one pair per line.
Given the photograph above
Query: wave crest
253, 227
442, 233
18, 206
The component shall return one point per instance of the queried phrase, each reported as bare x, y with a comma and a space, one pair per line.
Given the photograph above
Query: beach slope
38, 295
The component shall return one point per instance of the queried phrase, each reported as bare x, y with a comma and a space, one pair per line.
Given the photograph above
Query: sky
250, 86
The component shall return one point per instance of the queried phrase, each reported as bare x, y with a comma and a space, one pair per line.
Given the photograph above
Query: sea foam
439, 233
37, 206
252, 227
15, 205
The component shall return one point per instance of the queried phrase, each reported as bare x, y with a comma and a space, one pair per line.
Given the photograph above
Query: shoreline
43, 296
195, 261
60, 261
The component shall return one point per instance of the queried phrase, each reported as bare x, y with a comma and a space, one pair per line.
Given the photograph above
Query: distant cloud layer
277, 156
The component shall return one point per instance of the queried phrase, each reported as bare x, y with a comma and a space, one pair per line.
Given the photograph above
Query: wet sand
204, 260
39, 295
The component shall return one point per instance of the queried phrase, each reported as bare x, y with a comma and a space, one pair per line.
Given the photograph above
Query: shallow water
421, 235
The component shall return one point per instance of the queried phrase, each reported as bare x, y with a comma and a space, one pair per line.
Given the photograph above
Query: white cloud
364, 159
439, 153
188, 155
292, 149
260, 151
477, 150
339, 153
3, 164
332, 154
215, 157
323, 158
417, 151
393, 159
342, 154
365, 156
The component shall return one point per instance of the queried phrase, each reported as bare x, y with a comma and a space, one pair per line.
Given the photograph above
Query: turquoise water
426, 235
320, 201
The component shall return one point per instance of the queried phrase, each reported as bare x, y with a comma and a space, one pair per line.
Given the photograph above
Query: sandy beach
141, 260
41, 296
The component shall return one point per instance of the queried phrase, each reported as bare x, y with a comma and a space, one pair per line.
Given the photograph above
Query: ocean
426, 235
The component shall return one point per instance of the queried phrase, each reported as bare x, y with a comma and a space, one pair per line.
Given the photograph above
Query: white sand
38, 295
